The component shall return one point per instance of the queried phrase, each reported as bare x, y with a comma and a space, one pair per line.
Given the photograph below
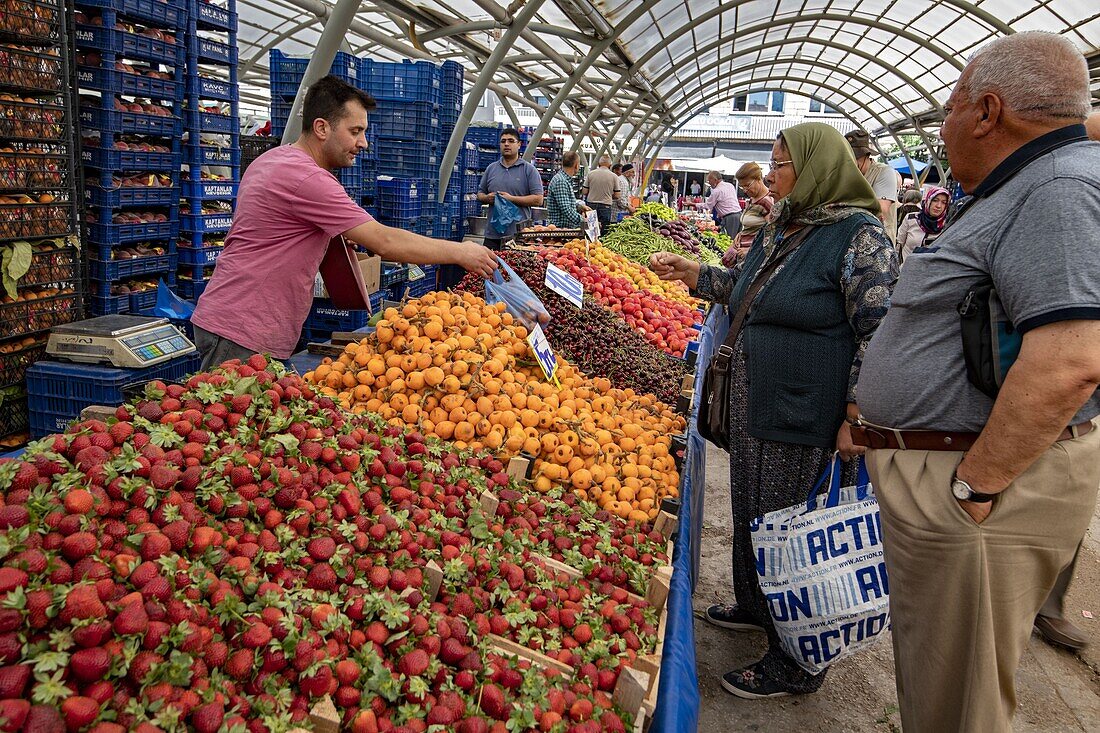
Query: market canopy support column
336, 30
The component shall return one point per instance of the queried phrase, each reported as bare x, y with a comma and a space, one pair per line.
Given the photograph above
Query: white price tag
543, 353
564, 284
592, 226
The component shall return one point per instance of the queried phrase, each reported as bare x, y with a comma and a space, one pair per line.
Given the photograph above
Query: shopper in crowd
513, 179
883, 180
921, 228
910, 203
289, 207
562, 208
622, 204
984, 500
800, 348
628, 176
723, 202
750, 179
696, 188
601, 191
1051, 621
670, 186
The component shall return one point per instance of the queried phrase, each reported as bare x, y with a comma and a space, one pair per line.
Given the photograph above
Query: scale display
124, 341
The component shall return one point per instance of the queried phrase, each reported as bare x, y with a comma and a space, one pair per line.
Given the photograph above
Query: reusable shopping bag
170, 305
822, 571
521, 302
504, 214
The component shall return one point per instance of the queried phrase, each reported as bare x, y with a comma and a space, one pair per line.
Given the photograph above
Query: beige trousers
963, 597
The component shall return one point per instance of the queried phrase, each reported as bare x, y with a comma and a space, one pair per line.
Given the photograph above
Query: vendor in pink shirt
723, 201
289, 207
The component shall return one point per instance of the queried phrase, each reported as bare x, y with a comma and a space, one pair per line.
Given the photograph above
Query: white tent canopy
722, 164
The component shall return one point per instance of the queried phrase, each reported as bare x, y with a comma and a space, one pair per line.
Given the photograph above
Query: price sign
415, 273
592, 226
543, 353
565, 285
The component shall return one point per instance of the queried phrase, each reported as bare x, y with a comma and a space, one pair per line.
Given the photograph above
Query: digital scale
124, 341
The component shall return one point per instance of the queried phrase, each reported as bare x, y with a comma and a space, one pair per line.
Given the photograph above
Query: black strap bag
990, 341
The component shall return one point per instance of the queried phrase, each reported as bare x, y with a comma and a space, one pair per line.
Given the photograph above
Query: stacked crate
212, 155
253, 146
286, 75
38, 195
547, 158
130, 65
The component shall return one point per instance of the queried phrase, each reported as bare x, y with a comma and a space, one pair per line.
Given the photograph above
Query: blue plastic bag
504, 214
170, 305
523, 304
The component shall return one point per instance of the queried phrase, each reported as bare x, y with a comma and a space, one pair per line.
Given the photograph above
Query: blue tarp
901, 165
678, 691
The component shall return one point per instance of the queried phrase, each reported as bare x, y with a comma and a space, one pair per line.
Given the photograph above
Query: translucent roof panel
603, 64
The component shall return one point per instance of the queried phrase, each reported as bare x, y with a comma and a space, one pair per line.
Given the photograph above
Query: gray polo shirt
519, 179
1034, 228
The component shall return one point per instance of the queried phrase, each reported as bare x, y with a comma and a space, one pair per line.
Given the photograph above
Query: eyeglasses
776, 164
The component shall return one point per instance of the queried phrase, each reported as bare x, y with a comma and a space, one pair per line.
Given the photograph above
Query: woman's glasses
776, 164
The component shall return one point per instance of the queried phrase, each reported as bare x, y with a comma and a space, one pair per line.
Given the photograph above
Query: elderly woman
796, 358
922, 227
750, 179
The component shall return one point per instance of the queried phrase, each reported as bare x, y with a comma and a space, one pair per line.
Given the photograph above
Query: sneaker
750, 684
1062, 632
731, 617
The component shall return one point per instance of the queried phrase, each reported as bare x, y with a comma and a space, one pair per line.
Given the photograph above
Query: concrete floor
1058, 691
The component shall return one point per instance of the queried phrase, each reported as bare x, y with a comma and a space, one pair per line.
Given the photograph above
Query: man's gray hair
1040, 76
714, 176
605, 160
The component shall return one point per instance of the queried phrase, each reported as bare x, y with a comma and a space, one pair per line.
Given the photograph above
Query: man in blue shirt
513, 179
561, 202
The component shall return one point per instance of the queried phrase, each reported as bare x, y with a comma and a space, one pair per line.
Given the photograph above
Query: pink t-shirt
288, 208
723, 199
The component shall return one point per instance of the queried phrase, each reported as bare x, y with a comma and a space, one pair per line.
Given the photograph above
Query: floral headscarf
929, 224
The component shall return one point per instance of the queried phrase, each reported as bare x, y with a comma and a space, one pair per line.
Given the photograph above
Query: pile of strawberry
229, 551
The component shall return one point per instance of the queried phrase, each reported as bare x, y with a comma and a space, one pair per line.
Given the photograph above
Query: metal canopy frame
652, 65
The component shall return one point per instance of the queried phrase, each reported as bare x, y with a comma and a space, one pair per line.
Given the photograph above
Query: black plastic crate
51, 263
33, 167
14, 415
34, 70
31, 21
38, 219
37, 120
25, 317
17, 355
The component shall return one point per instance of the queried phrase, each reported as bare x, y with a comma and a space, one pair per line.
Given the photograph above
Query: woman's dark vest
798, 343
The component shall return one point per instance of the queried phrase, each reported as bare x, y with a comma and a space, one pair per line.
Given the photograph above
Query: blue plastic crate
201, 87
130, 122
484, 135
351, 178
324, 316
105, 252
402, 198
111, 305
102, 288
112, 81
117, 269
189, 290
485, 158
405, 81
393, 272
129, 160
212, 17
198, 255
198, 121
131, 196
209, 155
126, 233
167, 14
130, 45
452, 78
417, 121
471, 207
209, 51
196, 273
408, 160
143, 301
210, 190
286, 72
58, 391
206, 224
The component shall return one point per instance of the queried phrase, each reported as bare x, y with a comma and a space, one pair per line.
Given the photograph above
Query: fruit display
657, 211
225, 553
34, 69
40, 215
28, 19
128, 287
687, 238
126, 27
128, 217
643, 278
52, 261
595, 339
31, 166
459, 369
666, 324
717, 242
137, 251
27, 118
38, 309
634, 240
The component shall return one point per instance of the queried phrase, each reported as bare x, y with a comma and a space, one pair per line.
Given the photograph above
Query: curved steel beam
763, 27
276, 40
482, 83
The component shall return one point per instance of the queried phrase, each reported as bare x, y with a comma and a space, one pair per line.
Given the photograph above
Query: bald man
1051, 623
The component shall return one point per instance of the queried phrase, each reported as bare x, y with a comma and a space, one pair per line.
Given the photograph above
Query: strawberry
82, 602
240, 663
322, 577
10, 620
440, 715
120, 432
178, 533
26, 477
142, 665
92, 635
79, 712
13, 680
316, 685
103, 440
90, 665
155, 545
150, 411
241, 403
216, 654
582, 633
492, 702
157, 588
321, 548
164, 477
257, 635
38, 606
44, 719
207, 718
379, 577
78, 545
414, 663
14, 516
131, 620
510, 679
11, 578
12, 714
452, 651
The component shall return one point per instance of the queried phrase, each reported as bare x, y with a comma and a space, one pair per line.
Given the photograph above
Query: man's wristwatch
963, 491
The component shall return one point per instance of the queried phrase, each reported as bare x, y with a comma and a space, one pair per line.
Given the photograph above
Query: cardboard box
369, 265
